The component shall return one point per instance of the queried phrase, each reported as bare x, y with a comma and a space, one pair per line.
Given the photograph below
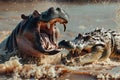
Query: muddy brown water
83, 18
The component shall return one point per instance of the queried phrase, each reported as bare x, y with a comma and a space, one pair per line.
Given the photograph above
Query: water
83, 18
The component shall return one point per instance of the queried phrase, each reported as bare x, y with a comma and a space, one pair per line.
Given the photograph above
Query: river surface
83, 17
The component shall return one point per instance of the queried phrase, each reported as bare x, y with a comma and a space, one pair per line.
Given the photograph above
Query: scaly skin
97, 45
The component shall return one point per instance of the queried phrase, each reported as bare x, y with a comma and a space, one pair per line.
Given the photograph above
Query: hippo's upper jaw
53, 15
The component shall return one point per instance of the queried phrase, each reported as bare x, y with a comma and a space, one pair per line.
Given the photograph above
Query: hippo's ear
24, 16
36, 13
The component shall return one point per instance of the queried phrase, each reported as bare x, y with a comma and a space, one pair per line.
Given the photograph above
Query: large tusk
64, 27
56, 33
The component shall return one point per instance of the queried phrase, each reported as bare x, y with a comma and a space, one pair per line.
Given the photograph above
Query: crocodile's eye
80, 36
86, 38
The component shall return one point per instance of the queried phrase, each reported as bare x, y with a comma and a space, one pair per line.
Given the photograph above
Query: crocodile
94, 46
35, 36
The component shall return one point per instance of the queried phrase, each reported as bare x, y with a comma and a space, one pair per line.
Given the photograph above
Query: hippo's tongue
46, 42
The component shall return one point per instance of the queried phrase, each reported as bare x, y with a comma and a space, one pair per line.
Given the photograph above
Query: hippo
35, 36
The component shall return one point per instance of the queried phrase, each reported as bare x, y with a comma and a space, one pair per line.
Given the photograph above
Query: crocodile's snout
66, 44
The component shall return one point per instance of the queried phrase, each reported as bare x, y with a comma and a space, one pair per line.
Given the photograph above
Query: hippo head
37, 33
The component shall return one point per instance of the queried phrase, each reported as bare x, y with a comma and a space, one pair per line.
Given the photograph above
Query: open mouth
74, 49
82, 52
49, 34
